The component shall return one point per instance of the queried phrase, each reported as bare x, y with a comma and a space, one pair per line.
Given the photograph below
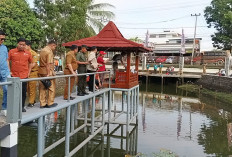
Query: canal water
172, 122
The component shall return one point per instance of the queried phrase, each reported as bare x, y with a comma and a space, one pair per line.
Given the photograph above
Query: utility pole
194, 40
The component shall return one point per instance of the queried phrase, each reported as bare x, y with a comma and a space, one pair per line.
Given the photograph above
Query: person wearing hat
102, 66
82, 62
70, 68
34, 74
92, 67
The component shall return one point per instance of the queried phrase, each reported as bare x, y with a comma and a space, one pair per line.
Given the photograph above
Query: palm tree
97, 16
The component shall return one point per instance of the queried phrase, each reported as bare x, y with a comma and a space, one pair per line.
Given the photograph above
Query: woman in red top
102, 66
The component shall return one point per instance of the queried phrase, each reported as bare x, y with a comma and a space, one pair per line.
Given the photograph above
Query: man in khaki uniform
82, 62
46, 69
70, 68
33, 74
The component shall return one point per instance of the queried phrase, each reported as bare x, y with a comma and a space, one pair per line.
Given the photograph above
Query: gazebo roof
109, 39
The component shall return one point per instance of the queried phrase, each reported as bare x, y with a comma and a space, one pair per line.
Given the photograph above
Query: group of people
170, 70
22, 62
58, 65
157, 68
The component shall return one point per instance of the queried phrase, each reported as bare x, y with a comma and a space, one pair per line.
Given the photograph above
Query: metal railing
14, 94
14, 112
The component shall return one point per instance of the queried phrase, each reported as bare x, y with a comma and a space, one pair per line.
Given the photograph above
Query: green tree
97, 15
219, 16
137, 40
18, 20
68, 20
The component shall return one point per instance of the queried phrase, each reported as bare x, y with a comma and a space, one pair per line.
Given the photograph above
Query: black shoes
80, 94
71, 98
49, 106
85, 93
30, 105
23, 110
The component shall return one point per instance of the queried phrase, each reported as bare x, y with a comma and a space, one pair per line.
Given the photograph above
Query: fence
15, 116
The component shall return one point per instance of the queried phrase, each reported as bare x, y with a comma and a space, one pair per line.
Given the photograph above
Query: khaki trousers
44, 97
31, 88
72, 81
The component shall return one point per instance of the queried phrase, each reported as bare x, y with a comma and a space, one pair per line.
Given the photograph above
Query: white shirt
93, 61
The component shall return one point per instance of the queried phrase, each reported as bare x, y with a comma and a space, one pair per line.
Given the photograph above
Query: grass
225, 97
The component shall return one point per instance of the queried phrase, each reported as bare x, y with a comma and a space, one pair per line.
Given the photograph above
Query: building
168, 43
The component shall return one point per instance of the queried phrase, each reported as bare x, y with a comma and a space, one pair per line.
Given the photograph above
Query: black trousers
24, 93
91, 79
81, 79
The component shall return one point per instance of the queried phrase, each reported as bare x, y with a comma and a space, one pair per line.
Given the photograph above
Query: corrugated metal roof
110, 39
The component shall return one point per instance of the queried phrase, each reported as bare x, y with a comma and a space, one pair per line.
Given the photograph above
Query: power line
162, 5
160, 9
155, 22
159, 28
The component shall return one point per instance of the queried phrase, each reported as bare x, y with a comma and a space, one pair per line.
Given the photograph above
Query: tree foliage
219, 16
18, 20
68, 20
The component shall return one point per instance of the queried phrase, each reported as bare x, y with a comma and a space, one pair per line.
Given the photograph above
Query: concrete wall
216, 83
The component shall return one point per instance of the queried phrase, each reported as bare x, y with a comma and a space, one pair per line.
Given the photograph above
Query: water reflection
187, 124
114, 143
202, 126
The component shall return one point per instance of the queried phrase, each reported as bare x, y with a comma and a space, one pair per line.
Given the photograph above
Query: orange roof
109, 39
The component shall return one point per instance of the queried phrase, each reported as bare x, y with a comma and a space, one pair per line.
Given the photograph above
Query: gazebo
110, 39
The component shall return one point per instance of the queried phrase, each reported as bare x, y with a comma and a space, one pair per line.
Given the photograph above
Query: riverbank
222, 96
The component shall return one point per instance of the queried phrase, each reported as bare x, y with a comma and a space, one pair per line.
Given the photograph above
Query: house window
162, 35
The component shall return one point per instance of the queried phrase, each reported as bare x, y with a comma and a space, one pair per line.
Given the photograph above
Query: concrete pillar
9, 143
227, 63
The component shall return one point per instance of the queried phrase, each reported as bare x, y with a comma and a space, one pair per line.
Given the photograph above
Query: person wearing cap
46, 69
70, 68
33, 74
21, 64
92, 66
82, 62
102, 66
4, 70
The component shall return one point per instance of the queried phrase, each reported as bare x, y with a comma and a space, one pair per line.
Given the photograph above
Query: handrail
60, 76
6, 83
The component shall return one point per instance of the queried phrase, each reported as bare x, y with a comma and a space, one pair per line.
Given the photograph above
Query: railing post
103, 111
123, 100
67, 131
40, 144
137, 105
69, 94
9, 143
13, 97
109, 105
128, 108
93, 115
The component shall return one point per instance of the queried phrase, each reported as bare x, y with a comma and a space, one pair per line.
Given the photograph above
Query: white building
169, 43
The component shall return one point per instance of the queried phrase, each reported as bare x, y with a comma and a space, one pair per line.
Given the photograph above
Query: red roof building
110, 39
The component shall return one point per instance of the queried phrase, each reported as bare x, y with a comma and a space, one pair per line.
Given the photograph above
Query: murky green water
185, 124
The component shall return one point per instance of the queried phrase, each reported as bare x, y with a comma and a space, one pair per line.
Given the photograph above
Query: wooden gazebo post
137, 63
128, 68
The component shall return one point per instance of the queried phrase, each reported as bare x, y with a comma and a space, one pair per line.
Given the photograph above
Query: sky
135, 17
